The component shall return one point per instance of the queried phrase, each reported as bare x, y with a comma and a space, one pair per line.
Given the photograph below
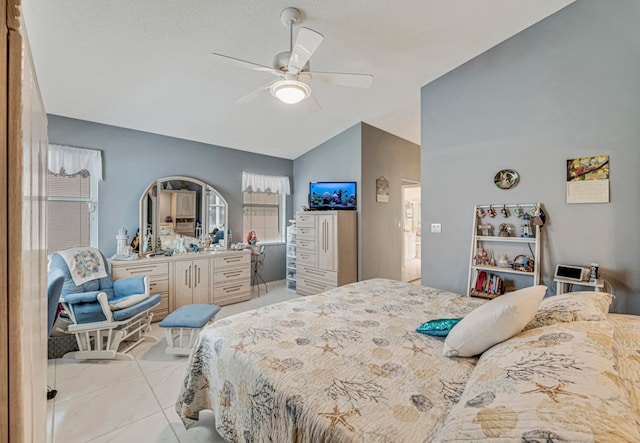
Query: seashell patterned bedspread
348, 366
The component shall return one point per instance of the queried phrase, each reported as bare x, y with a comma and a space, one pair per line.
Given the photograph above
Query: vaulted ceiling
146, 64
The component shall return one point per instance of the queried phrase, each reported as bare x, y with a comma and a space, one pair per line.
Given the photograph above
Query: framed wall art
382, 190
588, 180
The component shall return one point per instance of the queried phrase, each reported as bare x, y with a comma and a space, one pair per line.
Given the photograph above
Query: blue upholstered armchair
108, 317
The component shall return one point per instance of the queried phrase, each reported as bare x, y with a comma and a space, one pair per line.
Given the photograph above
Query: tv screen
332, 195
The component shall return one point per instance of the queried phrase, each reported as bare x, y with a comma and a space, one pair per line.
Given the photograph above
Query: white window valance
262, 183
69, 160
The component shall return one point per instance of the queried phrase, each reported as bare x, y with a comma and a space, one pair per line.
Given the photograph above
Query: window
263, 206
72, 198
261, 213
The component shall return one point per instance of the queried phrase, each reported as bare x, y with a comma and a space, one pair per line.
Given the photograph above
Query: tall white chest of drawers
326, 250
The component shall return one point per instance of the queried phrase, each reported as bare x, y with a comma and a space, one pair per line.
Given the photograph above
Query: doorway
410, 269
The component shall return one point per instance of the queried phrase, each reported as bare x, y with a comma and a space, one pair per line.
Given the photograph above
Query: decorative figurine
122, 239
135, 243
148, 241
480, 212
505, 229
252, 238
181, 248
482, 258
504, 211
485, 229
491, 212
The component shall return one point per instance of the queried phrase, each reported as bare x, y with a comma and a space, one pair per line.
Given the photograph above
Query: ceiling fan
292, 67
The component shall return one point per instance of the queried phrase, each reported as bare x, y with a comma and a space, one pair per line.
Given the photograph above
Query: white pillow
125, 302
493, 322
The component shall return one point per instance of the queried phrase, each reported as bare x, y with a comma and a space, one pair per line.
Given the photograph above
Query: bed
348, 365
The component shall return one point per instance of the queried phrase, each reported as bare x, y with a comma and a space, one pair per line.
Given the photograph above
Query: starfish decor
338, 417
553, 391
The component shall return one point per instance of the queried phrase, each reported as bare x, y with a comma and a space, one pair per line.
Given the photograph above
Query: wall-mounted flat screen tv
332, 195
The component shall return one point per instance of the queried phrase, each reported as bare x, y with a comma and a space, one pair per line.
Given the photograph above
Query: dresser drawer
305, 220
140, 269
235, 260
306, 233
158, 286
306, 244
232, 292
330, 277
305, 258
232, 274
305, 286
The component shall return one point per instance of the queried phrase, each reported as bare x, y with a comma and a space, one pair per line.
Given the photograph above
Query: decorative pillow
573, 306
124, 302
493, 322
439, 327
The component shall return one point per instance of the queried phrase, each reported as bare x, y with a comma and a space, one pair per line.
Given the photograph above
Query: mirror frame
205, 196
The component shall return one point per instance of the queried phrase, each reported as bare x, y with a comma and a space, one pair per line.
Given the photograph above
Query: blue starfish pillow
439, 327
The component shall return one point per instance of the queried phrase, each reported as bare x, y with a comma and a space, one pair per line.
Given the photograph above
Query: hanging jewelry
504, 211
480, 212
534, 210
540, 219
491, 211
518, 211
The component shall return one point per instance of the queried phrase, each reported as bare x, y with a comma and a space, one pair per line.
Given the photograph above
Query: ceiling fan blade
255, 94
311, 104
338, 78
245, 64
307, 42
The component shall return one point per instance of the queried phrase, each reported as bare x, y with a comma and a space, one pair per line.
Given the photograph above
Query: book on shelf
487, 285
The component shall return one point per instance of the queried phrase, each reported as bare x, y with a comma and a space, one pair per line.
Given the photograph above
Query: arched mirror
181, 208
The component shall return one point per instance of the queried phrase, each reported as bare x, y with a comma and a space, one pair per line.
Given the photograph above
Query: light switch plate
436, 228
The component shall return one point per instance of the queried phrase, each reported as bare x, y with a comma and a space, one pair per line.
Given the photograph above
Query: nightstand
562, 285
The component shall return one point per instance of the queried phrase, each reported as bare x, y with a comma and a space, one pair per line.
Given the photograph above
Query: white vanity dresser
186, 208
219, 278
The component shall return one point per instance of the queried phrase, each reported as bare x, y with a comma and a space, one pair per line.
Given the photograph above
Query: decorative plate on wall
506, 179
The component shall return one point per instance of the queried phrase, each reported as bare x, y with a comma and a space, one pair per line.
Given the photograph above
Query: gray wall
133, 159
565, 88
381, 233
363, 153
339, 158
336, 159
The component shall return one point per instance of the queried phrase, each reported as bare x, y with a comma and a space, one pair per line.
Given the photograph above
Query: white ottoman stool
183, 325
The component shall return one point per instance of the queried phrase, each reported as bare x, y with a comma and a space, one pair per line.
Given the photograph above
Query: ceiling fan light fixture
290, 91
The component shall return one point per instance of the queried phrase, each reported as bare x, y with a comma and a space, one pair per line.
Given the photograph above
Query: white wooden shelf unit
291, 256
528, 246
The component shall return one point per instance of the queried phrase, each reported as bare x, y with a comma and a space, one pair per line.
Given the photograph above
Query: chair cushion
190, 316
55, 280
129, 286
89, 312
126, 313
117, 303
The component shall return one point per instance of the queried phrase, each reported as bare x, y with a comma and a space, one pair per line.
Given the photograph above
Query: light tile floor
133, 401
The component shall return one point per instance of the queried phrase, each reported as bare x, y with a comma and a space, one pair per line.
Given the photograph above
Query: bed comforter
347, 365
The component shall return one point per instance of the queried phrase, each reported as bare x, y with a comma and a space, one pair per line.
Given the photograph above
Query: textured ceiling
145, 64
